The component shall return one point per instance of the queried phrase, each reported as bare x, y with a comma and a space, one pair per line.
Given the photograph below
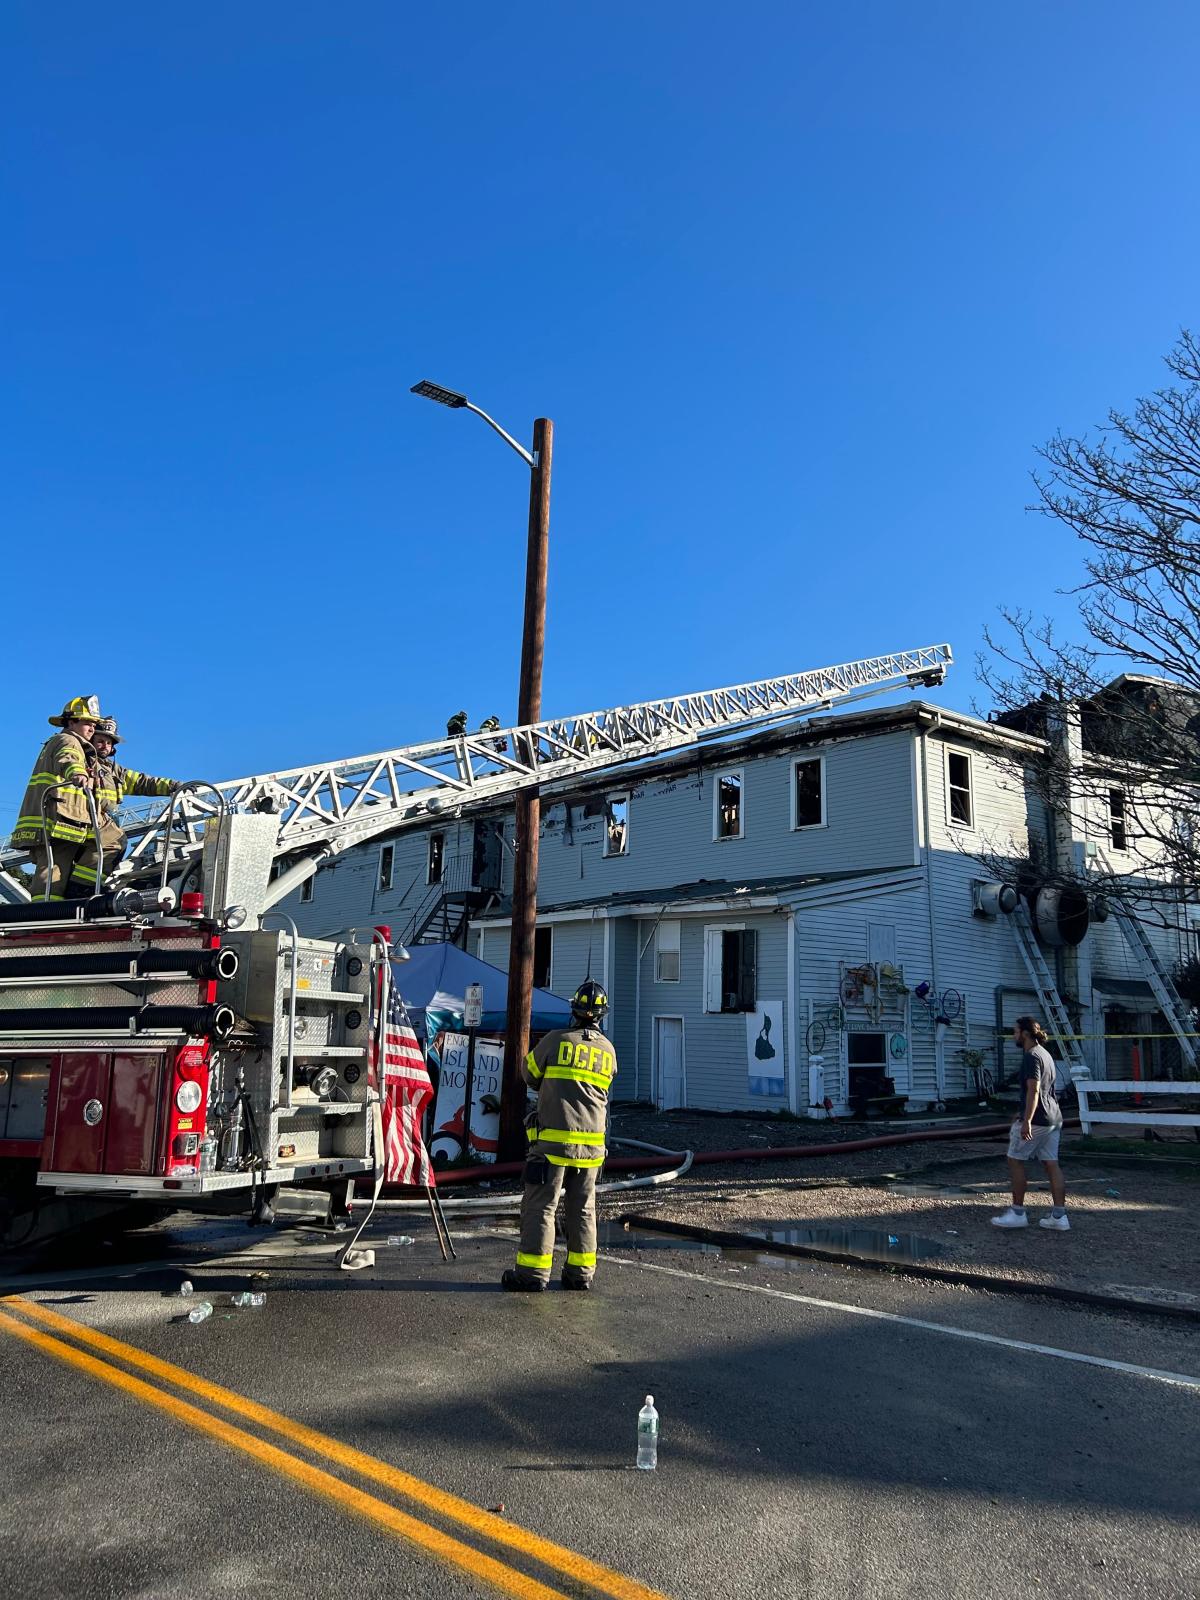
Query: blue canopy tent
436, 977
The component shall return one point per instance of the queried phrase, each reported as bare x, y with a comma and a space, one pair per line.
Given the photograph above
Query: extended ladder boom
346, 802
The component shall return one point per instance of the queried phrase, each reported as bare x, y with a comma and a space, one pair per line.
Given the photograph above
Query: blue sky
801, 287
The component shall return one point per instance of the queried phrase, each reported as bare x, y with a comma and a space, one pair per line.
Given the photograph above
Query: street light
528, 801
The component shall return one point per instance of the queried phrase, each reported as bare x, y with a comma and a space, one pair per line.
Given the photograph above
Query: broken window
1118, 831
616, 835
960, 809
387, 857
808, 795
729, 978
728, 822
437, 857
307, 889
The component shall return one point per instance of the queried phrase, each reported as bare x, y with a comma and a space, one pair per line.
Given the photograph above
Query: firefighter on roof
113, 784
56, 813
572, 1070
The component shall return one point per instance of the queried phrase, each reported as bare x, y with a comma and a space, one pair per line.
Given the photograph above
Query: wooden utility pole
528, 805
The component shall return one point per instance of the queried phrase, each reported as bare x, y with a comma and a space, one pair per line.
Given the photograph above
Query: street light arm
530, 461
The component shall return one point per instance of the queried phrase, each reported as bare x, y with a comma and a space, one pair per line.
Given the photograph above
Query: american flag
405, 1092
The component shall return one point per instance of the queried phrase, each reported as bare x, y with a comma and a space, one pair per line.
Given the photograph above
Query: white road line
1179, 1378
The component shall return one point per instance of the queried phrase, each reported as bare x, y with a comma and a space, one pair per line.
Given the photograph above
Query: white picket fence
1136, 1115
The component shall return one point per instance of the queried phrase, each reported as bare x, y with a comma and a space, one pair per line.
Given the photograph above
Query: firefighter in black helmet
572, 1070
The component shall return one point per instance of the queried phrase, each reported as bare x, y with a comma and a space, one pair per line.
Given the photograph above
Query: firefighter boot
514, 1280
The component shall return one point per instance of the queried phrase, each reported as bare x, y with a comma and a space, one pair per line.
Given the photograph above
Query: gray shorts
1042, 1147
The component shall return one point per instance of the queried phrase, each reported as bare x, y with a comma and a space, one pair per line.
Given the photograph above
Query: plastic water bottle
249, 1301
401, 1238
200, 1311
647, 1456
185, 1288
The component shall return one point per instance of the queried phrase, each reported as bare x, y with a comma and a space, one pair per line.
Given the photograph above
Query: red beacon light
191, 904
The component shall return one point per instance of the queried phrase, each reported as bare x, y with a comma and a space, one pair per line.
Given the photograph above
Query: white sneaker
1010, 1219
1062, 1224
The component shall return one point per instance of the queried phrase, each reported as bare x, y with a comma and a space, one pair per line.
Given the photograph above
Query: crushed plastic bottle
248, 1301
647, 1436
401, 1238
199, 1312
185, 1289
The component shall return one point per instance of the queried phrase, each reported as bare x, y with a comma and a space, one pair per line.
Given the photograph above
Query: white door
668, 1056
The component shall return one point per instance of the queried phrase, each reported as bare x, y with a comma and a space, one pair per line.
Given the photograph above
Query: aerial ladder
325, 808
164, 1042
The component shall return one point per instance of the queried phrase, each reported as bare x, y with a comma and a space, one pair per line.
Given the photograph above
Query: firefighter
456, 725
63, 829
113, 783
572, 1070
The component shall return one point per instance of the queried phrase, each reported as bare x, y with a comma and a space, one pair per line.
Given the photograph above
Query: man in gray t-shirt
1036, 1130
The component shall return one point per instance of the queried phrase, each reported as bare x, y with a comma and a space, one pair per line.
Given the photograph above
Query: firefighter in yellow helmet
55, 821
572, 1070
113, 784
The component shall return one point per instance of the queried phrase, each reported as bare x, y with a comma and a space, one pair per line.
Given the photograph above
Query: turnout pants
544, 1181
72, 871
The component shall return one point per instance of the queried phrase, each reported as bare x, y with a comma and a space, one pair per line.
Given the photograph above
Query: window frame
951, 820
388, 852
617, 798
729, 772
308, 890
1119, 822
806, 827
677, 924
714, 941
439, 834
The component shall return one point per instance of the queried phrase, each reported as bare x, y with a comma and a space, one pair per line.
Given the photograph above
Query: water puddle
874, 1244
868, 1243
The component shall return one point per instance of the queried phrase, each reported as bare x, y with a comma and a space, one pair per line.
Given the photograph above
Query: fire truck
175, 1042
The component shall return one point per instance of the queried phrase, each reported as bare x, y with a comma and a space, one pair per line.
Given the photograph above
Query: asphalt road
806, 1448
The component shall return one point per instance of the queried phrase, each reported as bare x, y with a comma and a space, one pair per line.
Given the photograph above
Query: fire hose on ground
688, 1159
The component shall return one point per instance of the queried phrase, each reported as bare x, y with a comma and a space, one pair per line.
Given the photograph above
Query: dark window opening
307, 889
808, 794
437, 856
866, 1050
959, 772
737, 970
543, 956
1116, 819
387, 856
729, 806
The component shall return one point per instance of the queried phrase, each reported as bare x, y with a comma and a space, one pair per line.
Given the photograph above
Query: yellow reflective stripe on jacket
534, 1070
45, 779
574, 1161
567, 1136
537, 1263
581, 1258
580, 1075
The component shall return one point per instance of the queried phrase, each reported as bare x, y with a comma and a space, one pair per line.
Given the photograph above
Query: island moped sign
449, 1119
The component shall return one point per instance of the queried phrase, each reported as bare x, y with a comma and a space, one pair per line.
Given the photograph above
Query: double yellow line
500, 1574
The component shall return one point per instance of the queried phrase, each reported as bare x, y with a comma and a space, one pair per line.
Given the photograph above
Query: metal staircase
441, 916
327, 807
1044, 986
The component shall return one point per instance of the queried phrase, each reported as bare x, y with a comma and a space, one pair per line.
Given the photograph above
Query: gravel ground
1140, 1240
